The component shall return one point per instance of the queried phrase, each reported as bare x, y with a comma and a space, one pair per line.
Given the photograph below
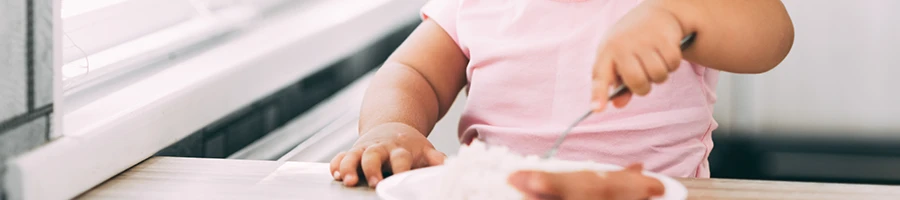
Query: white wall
840, 78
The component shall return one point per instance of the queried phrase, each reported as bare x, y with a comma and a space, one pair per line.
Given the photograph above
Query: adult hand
628, 184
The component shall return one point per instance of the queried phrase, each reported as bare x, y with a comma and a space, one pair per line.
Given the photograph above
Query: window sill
118, 130
150, 49
337, 110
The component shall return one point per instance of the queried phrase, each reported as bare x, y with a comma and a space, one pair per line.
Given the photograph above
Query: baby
533, 66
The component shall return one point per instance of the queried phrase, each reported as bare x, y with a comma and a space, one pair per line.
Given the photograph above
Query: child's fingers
434, 157
632, 73
671, 56
599, 95
372, 160
348, 166
655, 66
603, 77
336, 164
401, 160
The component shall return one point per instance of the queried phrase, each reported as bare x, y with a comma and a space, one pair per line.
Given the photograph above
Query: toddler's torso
530, 77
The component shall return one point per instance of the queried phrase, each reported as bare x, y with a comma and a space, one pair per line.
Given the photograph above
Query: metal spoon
621, 89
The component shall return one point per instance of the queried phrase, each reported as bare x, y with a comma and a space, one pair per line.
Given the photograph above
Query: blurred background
287, 77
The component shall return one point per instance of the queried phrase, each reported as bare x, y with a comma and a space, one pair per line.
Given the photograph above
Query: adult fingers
536, 184
568, 185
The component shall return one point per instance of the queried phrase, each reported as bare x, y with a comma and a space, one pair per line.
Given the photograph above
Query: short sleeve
444, 13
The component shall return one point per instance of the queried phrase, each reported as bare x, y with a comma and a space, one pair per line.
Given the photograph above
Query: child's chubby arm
408, 95
739, 36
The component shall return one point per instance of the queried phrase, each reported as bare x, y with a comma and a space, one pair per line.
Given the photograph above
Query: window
135, 113
103, 39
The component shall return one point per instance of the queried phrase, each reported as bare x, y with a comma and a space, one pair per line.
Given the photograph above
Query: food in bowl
481, 172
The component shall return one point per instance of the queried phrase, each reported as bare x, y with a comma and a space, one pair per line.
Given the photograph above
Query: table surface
200, 178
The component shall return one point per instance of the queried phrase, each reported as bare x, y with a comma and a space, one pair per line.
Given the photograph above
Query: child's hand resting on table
389, 148
408, 95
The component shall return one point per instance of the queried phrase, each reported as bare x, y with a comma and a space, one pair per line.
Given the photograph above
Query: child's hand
642, 48
391, 147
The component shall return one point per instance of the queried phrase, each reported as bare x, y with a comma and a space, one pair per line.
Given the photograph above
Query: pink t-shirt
529, 72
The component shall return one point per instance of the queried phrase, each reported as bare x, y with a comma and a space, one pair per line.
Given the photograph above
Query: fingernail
348, 178
373, 181
337, 175
534, 183
520, 179
596, 105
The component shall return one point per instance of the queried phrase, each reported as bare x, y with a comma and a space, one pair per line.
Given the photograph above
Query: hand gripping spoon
621, 89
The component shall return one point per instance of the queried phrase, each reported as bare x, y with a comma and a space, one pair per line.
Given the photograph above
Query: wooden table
196, 178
